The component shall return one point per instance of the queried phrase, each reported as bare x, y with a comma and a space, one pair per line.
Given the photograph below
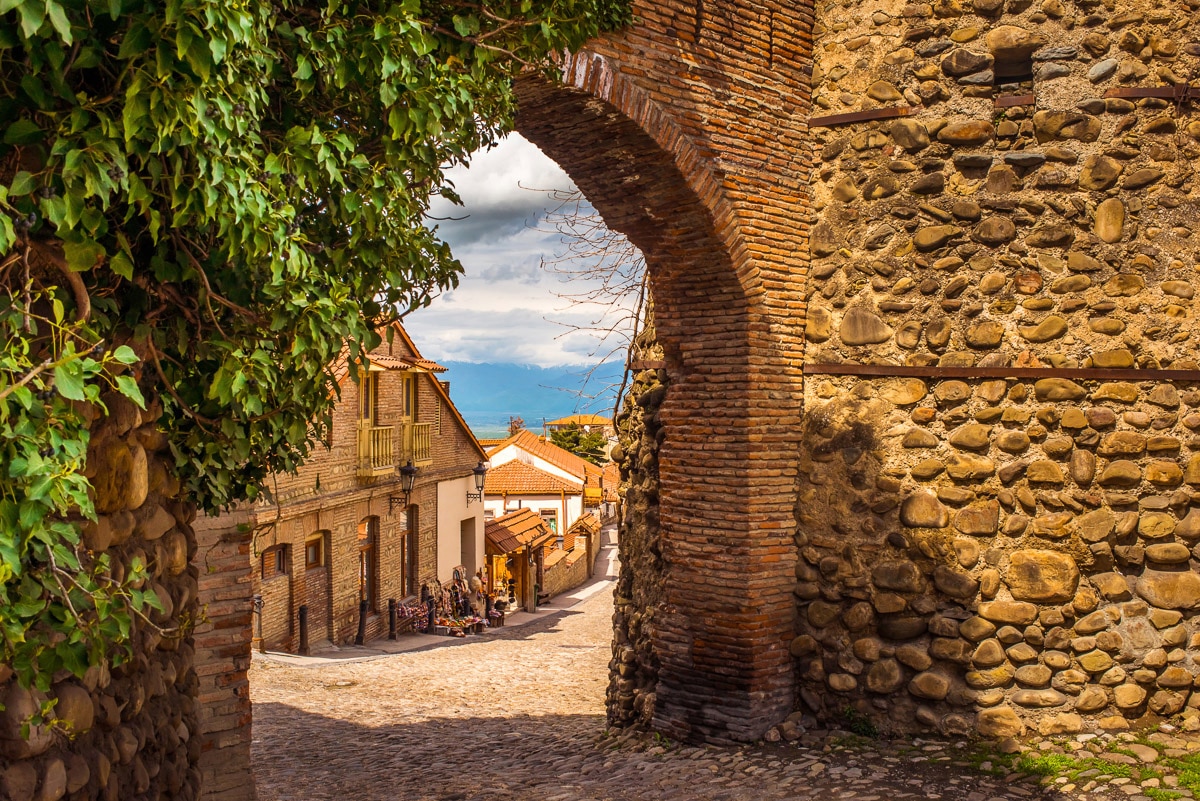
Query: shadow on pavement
301, 755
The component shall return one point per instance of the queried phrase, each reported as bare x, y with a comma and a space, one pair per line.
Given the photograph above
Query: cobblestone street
518, 715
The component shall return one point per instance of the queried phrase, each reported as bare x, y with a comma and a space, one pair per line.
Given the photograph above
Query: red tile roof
518, 478
587, 524
559, 457
519, 529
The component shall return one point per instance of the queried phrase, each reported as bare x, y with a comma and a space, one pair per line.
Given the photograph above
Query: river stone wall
639, 592
981, 552
131, 727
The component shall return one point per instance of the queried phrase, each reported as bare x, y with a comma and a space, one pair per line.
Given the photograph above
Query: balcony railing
376, 450
418, 443
381, 449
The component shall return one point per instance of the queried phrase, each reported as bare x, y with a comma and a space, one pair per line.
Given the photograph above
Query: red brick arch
685, 132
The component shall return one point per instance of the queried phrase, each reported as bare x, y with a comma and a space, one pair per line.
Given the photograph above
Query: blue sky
506, 308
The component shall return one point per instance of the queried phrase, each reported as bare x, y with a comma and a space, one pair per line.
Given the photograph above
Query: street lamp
480, 473
408, 476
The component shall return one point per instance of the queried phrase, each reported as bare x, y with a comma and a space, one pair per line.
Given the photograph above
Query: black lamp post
480, 473
408, 477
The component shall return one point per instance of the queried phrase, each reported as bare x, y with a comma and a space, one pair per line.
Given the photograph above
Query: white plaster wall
495, 504
452, 510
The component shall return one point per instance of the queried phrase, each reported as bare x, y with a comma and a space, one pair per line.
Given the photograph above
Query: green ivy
238, 190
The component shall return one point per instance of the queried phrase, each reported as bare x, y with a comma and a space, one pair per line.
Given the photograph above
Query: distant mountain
488, 394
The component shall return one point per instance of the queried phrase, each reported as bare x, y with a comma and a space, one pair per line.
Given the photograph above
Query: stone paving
518, 715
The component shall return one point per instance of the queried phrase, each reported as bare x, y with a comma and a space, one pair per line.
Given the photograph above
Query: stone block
1042, 576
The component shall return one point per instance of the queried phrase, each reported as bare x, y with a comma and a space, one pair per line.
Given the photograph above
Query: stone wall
639, 592
134, 724
1000, 535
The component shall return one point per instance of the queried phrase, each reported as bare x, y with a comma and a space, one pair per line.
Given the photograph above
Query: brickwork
687, 132
222, 641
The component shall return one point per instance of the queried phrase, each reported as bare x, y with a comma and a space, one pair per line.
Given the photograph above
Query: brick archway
652, 130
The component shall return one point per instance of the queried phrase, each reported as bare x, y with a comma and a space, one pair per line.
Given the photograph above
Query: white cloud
505, 306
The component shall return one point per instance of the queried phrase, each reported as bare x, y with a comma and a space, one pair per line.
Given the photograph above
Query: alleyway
518, 716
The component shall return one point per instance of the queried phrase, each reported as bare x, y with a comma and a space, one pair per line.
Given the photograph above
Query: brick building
342, 532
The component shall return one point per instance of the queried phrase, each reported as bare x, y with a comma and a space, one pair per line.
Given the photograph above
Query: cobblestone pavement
518, 715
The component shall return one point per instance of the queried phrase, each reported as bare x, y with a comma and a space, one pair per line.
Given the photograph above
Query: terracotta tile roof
556, 556
519, 529
559, 457
581, 420
518, 478
430, 366
587, 524
341, 365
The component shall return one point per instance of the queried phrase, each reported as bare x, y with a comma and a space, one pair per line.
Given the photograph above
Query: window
314, 551
408, 396
275, 562
368, 398
551, 518
368, 562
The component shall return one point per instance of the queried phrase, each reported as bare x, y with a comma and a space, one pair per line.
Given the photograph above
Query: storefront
515, 544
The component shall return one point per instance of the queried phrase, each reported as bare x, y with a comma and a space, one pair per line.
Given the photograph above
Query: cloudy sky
506, 308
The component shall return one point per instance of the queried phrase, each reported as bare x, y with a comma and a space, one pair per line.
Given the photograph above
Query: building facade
342, 536
527, 471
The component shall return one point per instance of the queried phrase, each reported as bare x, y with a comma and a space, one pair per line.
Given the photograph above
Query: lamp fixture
480, 473
408, 476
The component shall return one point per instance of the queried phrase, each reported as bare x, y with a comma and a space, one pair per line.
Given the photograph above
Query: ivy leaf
129, 388
22, 132
58, 18
22, 184
68, 381
83, 254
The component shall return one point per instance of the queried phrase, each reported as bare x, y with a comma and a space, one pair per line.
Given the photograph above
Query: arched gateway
687, 134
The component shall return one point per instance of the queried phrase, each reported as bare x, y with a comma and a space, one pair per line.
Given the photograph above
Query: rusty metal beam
934, 371
1007, 101
859, 116
1177, 92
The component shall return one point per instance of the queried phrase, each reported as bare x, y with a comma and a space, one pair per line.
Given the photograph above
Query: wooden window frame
277, 557
319, 541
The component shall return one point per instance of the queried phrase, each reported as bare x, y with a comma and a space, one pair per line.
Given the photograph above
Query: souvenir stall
460, 607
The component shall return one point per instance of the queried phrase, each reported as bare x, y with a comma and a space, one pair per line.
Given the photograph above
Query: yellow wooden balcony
376, 450
418, 443
382, 449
